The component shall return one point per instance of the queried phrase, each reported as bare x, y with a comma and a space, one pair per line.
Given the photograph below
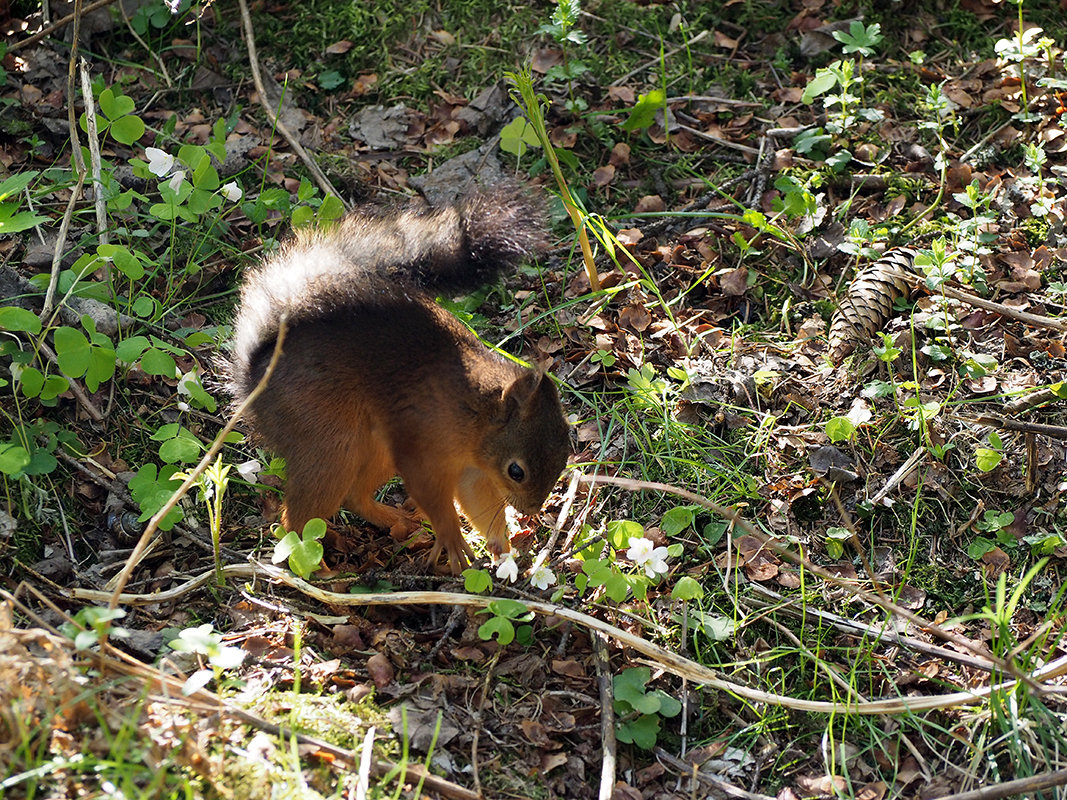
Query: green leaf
510, 609
112, 105
499, 628
331, 209
987, 459
306, 557
668, 706
199, 397
13, 223
678, 519
206, 177
125, 261
620, 531
32, 381
518, 136
617, 587
642, 732
13, 458
643, 114
156, 362
330, 79
305, 191
839, 160
840, 429
687, 589
714, 626
629, 685
477, 581
824, 81
285, 546
979, 547
15, 319
303, 551
151, 491
860, 38
16, 183
274, 198
302, 215
101, 366
128, 129
814, 142
164, 212
42, 462
713, 532
129, 350
314, 528
72, 351
54, 386
184, 448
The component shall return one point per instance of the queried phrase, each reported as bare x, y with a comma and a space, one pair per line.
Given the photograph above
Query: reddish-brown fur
377, 380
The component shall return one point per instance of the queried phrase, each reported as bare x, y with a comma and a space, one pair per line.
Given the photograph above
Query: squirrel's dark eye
516, 473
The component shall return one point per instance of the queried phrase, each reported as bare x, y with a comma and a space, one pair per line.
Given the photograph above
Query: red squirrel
376, 379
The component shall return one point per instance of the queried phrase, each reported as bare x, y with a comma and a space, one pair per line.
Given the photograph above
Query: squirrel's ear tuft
518, 393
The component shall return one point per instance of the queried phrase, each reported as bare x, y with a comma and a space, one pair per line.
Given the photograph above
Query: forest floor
811, 537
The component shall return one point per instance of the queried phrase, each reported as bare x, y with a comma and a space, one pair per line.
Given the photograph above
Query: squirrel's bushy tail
501, 228
378, 253
459, 247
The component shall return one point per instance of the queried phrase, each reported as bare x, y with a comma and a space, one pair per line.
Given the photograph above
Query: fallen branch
661, 658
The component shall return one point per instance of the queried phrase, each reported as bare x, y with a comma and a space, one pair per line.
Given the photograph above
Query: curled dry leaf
997, 562
443, 37
543, 60
650, 203
620, 154
380, 670
635, 318
339, 48
364, 83
602, 176
734, 282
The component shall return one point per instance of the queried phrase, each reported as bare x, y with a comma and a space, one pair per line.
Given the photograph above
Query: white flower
507, 569
184, 382
542, 577
511, 517
159, 161
232, 192
653, 560
249, 470
176, 180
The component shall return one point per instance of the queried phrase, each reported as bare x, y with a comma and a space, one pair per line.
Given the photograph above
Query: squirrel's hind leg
375, 468
314, 490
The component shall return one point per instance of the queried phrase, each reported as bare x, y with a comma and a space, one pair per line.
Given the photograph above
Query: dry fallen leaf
602, 176
734, 282
635, 318
339, 47
380, 670
650, 203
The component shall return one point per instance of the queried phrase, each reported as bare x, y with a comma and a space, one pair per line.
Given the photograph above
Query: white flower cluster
160, 164
541, 577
